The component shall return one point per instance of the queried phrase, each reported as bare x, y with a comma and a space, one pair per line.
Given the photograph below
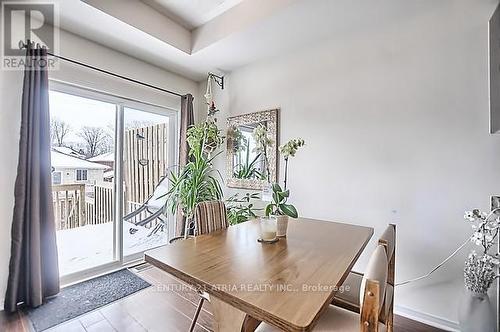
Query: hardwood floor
168, 305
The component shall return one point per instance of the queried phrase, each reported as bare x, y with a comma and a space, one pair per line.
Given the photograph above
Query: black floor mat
86, 296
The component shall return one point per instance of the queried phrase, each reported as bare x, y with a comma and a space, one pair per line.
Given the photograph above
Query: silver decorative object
479, 273
475, 313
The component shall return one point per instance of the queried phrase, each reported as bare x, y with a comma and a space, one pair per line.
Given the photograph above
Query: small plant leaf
289, 210
269, 209
276, 187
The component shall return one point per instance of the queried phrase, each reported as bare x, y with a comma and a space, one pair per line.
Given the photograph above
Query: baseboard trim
441, 323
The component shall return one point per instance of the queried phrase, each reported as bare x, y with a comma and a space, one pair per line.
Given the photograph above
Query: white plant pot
476, 313
282, 222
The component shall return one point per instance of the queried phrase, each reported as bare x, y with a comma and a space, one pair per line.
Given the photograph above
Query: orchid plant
289, 150
279, 205
262, 141
479, 271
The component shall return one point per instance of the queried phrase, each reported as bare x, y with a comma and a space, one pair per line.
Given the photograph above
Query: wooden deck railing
70, 209
146, 160
73, 208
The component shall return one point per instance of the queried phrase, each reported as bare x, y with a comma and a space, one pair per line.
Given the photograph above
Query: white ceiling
247, 32
192, 13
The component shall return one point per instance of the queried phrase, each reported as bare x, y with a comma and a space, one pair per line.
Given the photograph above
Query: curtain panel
33, 268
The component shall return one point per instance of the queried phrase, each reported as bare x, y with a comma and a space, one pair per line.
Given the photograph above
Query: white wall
83, 50
396, 124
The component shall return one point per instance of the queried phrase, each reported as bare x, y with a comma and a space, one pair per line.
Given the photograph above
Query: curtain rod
23, 45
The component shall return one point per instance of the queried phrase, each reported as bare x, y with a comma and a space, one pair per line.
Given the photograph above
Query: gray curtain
187, 120
33, 269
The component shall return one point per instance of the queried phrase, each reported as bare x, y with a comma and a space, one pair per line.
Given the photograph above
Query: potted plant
241, 209
197, 181
480, 272
278, 206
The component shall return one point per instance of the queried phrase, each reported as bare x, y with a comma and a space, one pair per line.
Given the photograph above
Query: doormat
78, 299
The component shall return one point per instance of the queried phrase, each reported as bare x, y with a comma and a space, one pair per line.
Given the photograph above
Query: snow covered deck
92, 245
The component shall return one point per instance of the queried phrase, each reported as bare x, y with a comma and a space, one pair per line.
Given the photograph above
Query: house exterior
107, 159
67, 169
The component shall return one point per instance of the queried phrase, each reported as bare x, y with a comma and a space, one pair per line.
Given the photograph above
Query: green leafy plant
236, 139
204, 138
279, 206
240, 209
197, 181
248, 170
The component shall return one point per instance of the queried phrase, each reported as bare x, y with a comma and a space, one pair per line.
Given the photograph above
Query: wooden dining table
287, 284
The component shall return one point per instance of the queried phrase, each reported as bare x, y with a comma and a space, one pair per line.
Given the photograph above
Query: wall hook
218, 79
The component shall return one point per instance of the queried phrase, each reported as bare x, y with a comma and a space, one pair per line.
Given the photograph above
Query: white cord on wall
437, 267
447, 258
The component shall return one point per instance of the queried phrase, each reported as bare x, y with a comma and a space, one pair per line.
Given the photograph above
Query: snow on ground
92, 245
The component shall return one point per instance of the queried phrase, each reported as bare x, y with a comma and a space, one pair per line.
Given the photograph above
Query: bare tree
58, 131
96, 141
138, 124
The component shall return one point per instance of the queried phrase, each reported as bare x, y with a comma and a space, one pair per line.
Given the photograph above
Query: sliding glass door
82, 131
146, 162
110, 156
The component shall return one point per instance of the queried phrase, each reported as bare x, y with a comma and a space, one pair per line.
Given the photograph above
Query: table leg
229, 319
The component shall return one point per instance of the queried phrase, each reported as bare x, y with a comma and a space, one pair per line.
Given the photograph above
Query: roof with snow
61, 160
68, 151
109, 156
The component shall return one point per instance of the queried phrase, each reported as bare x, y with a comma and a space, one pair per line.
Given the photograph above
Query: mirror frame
272, 119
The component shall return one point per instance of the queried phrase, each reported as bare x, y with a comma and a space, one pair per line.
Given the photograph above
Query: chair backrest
373, 286
210, 217
159, 198
388, 240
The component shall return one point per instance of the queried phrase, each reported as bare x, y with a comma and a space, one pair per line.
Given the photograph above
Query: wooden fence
73, 208
70, 207
146, 160
104, 205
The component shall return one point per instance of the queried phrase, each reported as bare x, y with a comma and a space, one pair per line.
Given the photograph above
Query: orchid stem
286, 171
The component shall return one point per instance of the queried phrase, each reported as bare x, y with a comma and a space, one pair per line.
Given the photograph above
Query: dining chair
209, 217
372, 294
350, 299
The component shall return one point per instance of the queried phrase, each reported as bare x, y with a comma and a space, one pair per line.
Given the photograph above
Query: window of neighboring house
56, 177
81, 175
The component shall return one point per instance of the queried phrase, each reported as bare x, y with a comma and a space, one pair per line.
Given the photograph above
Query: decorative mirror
247, 161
